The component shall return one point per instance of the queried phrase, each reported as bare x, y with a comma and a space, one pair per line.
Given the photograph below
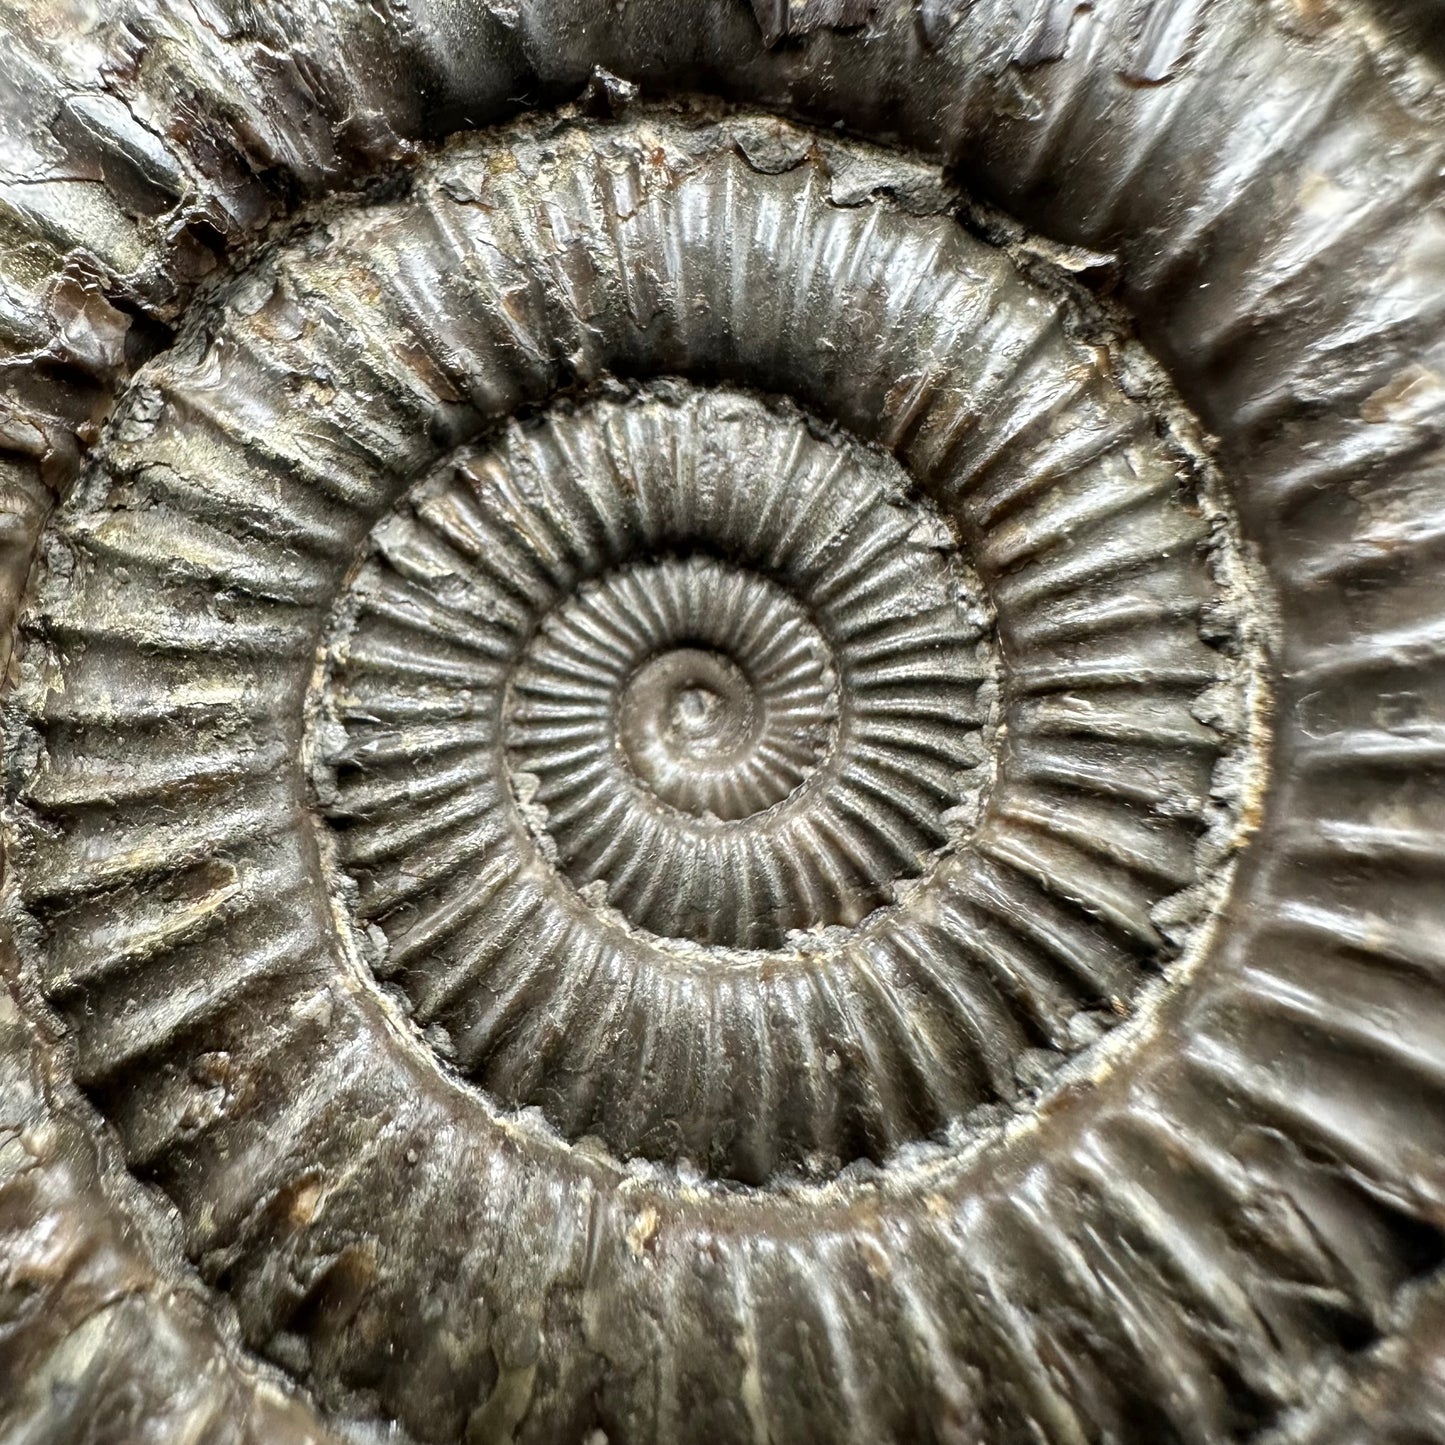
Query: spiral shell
661, 784
563, 764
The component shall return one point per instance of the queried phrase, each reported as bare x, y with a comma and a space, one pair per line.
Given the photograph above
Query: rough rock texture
671, 778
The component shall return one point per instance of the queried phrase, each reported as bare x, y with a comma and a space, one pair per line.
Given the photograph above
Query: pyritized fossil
676, 777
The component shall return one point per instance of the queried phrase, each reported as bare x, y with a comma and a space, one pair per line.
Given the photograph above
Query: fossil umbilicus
723, 724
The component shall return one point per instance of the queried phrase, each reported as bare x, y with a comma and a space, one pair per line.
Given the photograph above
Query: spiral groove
698, 710
506, 678
707, 554
718, 695
496, 946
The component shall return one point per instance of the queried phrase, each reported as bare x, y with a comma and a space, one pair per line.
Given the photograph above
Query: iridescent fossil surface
723, 731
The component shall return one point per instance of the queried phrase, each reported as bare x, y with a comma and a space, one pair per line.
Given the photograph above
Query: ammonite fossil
723, 724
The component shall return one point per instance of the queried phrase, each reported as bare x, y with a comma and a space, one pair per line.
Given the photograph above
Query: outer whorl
668, 780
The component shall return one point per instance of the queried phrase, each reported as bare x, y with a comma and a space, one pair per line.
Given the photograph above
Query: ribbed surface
544, 847
1180, 1241
600, 575
1003, 962
892, 928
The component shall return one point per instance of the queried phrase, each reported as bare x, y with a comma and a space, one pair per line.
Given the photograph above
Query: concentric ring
254, 1070
714, 688
1055, 897
708, 737
543, 910
852, 641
